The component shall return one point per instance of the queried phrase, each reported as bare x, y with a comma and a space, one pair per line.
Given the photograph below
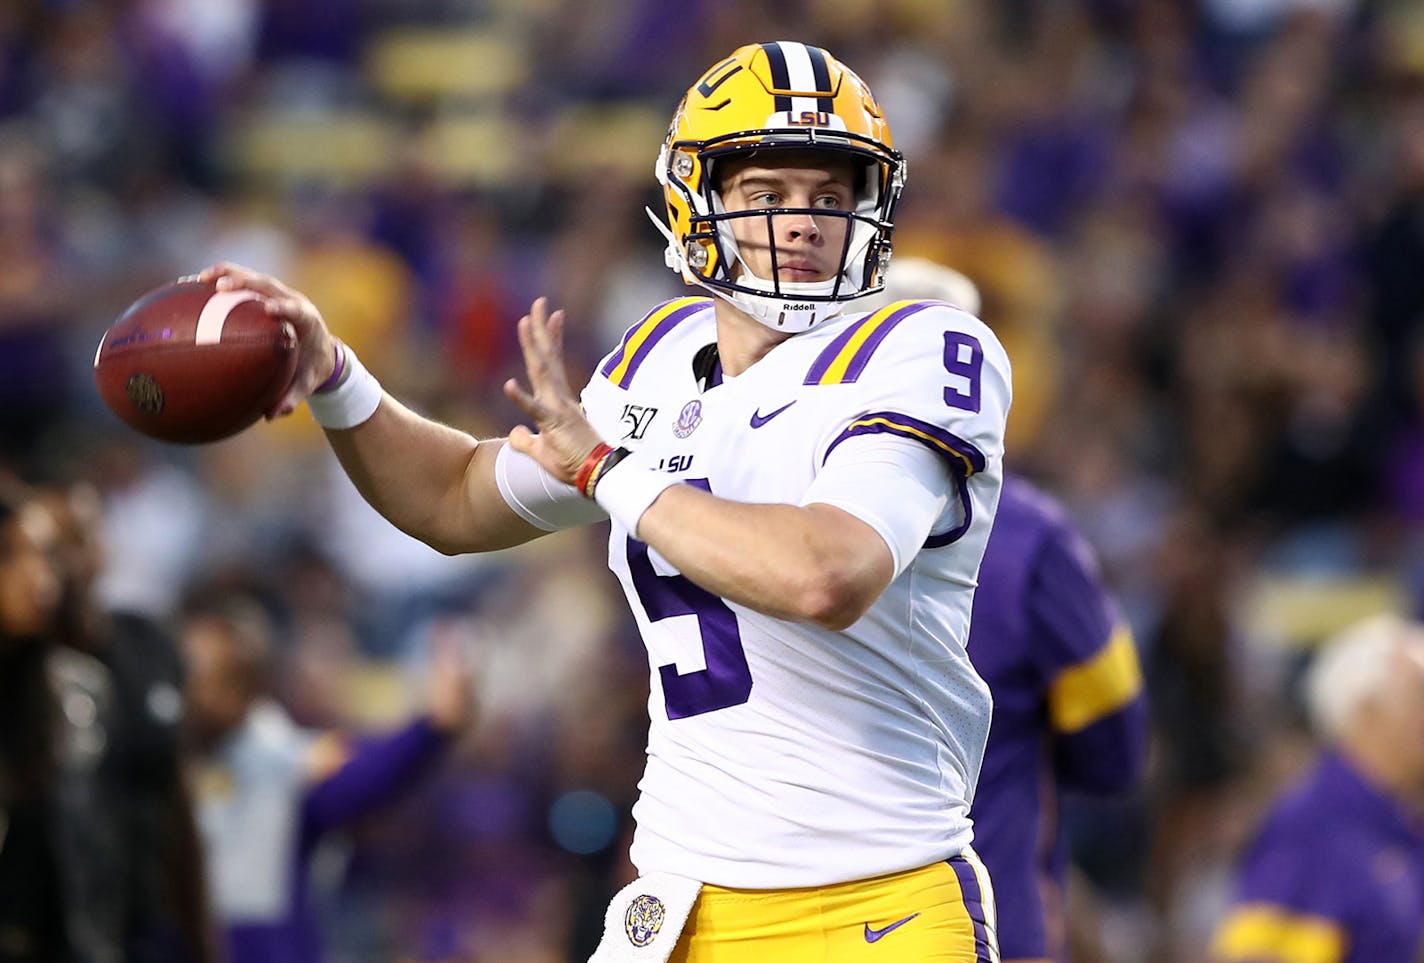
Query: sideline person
1335, 873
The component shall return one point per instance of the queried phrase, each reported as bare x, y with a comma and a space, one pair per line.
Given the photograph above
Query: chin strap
671, 256
767, 308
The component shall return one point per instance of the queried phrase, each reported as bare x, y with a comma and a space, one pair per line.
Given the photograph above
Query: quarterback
800, 494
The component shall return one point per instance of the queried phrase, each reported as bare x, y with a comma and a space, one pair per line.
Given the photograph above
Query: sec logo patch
688, 419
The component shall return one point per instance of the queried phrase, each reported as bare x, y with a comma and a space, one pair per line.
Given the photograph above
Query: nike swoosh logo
759, 419
872, 936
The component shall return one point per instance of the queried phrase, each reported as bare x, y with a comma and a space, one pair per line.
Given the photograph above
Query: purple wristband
337, 370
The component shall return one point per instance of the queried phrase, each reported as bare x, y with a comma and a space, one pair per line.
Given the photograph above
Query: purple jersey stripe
824, 359
662, 328
974, 906
858, 362
963, 455
623, 364
966, 505
617, 356
845, 358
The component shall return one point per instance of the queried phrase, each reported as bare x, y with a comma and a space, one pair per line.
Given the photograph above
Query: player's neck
742, 341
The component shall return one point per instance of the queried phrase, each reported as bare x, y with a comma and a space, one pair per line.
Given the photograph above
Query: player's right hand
565, 437
316, 348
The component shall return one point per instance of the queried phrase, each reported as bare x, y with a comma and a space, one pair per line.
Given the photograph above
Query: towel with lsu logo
645, 919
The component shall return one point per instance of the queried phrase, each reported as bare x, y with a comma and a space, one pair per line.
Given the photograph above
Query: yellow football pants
942, 913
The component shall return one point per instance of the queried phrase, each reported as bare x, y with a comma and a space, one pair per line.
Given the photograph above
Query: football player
800, 494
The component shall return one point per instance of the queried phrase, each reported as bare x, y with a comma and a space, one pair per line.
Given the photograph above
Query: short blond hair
1354, 666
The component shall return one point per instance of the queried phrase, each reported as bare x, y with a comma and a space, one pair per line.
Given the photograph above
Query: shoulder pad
844, 359
943, 381
620, 366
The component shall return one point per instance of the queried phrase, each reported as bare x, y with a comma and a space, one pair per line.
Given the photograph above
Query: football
187, 363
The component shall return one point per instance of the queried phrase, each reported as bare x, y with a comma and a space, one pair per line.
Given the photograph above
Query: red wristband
585, 472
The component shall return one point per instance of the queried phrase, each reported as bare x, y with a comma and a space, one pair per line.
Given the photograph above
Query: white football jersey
782, 754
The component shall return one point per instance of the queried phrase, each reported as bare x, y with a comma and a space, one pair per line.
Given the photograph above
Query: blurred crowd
1197, 225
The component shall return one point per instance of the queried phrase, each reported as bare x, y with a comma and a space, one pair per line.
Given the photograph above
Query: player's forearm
431, 481
813, 564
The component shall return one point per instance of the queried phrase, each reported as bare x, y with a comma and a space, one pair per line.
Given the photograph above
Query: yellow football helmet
777, 96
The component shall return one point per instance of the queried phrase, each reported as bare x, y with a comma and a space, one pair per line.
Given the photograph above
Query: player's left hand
564, 437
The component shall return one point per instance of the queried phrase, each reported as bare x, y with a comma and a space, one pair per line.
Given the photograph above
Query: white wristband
626, 492
352, 401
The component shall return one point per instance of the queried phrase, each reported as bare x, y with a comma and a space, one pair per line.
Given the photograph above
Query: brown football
187, 363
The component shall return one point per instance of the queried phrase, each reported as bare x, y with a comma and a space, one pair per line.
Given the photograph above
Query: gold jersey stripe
1088, 691
641, 334
904, 429
1259, 932
838, 367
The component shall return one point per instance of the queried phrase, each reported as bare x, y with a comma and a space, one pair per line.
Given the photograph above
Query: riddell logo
798, 306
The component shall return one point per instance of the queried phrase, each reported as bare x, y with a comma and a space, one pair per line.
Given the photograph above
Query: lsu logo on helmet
777, 96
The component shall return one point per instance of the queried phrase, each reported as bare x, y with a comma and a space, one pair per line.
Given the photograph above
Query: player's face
807, 247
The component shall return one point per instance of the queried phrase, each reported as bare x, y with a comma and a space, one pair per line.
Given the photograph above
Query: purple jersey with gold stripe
1335, 875
1068, 706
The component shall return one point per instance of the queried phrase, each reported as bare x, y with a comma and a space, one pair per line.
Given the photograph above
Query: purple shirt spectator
1335, 875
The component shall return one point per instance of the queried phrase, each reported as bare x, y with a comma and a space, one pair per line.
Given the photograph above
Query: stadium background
1198, 227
